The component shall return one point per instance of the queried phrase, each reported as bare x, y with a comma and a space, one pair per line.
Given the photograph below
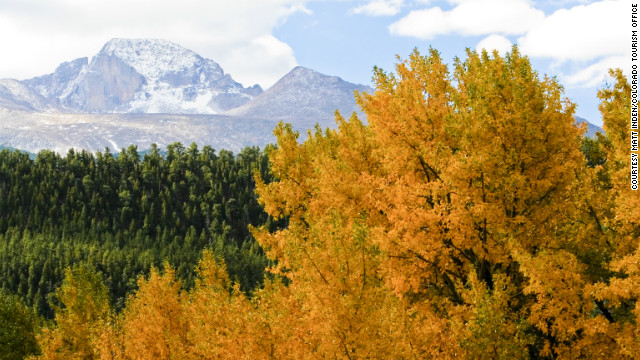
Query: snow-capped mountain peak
152, 58
142, 76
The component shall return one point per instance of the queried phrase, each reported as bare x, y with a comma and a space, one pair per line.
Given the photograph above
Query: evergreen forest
125, 213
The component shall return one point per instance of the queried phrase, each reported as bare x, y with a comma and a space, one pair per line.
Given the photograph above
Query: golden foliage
153, 325
81, 320
476, 209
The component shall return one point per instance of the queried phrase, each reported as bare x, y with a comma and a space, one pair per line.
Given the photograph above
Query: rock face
108, 86
304, 97
142, 76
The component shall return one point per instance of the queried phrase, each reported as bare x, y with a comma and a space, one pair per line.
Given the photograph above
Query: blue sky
258, 41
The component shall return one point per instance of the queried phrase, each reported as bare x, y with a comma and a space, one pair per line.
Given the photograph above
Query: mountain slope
154, 91
304, 97
591, 128
18, 96
52, 86
32, 132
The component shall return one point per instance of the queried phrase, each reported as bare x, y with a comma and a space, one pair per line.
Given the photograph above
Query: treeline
122, 214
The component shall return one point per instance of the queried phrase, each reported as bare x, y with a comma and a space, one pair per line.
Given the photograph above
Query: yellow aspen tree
80, 319
481, 164
524, 158
215, 314
108, 343
618, 295
153, 323
276, 328
325, 251
224, 324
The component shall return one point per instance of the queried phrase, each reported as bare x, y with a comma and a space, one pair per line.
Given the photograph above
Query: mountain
142, 76
154, 91
303, 97
591, 128
143, 91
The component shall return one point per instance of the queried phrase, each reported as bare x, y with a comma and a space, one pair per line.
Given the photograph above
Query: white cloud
470, 17
272, 54
587, 37
594, 75
379, 8
38, 35
495, 42
423, 24
585, 32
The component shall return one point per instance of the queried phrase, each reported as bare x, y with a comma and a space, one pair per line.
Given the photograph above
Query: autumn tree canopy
467, 196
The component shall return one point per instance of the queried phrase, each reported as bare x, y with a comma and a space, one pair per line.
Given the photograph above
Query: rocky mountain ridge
141, 76
144, 91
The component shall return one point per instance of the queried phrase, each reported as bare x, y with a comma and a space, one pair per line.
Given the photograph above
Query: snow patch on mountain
16, 95
162, 98
61, 81
153, 58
